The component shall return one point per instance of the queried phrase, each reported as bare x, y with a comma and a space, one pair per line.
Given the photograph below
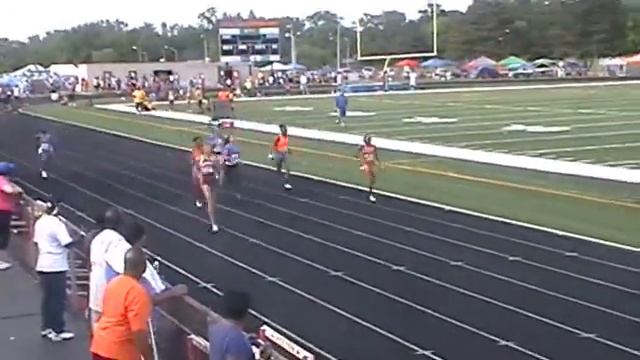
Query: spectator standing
122, 331
52, 239
304, 84
413, 79
9, 194
226, 338
111, 222
134, 235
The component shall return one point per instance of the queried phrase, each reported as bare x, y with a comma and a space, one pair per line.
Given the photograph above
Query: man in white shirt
111, 221
52, 239
108, 249
413, 79
304, 84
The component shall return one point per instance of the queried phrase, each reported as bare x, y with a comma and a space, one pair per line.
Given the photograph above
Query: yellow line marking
416, 169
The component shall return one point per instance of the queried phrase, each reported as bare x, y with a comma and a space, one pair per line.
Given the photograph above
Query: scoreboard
249, 41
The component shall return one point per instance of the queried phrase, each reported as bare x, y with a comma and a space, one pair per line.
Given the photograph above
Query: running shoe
288, 186
46, 332
199, 204
372, 198
215, 229
43, 174
58, 337
5, 265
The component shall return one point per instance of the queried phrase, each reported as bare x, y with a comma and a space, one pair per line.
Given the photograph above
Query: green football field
601, 209
589, 124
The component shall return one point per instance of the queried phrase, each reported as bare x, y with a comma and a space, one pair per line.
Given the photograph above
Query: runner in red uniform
369, 161
210, 169
196, 153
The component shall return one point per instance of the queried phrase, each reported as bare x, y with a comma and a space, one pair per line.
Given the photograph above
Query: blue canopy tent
486, 72
9, 81
437, 63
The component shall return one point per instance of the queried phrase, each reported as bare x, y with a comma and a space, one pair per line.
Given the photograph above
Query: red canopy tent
408, 63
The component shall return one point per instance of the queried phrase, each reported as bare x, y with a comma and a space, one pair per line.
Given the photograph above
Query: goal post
389, 57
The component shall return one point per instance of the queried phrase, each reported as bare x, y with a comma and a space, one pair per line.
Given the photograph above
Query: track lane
171, 157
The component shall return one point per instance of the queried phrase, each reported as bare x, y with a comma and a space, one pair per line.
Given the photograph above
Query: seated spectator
122, 331
226, 338
52, 239
9, 196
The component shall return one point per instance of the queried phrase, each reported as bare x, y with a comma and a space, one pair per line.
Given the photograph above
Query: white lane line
550, 138
578, 148
228, 258
409, 199
385, 241
203, 284
370, 258
422, 217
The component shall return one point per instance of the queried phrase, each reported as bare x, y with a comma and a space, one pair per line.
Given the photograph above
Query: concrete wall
186, 70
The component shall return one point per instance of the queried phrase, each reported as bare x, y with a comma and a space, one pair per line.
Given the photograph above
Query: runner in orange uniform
369, 161
280, 153
196, 153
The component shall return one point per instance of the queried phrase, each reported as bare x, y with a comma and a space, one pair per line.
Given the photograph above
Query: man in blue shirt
341, 106
227, 341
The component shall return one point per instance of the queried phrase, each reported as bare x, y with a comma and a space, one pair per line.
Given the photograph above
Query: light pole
141, 54
293, 35
338, 45
174, 50
205, 45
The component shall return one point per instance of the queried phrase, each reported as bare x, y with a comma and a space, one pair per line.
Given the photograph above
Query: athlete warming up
280, 153
341, 107
368, 154
196, 153
211, 174
45, 151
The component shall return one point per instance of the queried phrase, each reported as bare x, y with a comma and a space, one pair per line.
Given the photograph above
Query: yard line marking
201, 283
550, 138
578, 148
494, 131
229, 258
532, 121
623, 162
410, 199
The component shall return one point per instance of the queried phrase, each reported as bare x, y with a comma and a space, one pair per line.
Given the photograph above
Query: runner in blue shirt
341, 106
45, 151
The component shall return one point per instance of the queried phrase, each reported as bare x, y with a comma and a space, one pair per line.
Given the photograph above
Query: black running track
351, 280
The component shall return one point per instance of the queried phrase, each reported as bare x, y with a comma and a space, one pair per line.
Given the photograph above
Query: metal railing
179, 326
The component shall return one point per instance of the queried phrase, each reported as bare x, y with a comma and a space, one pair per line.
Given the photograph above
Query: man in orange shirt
122, 331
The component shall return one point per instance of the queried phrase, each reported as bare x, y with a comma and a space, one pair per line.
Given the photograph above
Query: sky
47, 15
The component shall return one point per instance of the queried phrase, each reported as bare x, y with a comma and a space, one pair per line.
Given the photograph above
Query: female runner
196, 153
211, 174
280, 153
368, 154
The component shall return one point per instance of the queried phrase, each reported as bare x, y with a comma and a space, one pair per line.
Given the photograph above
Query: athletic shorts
209, 179
280, 157
5, 228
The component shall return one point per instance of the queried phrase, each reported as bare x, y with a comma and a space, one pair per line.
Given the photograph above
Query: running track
356, 281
